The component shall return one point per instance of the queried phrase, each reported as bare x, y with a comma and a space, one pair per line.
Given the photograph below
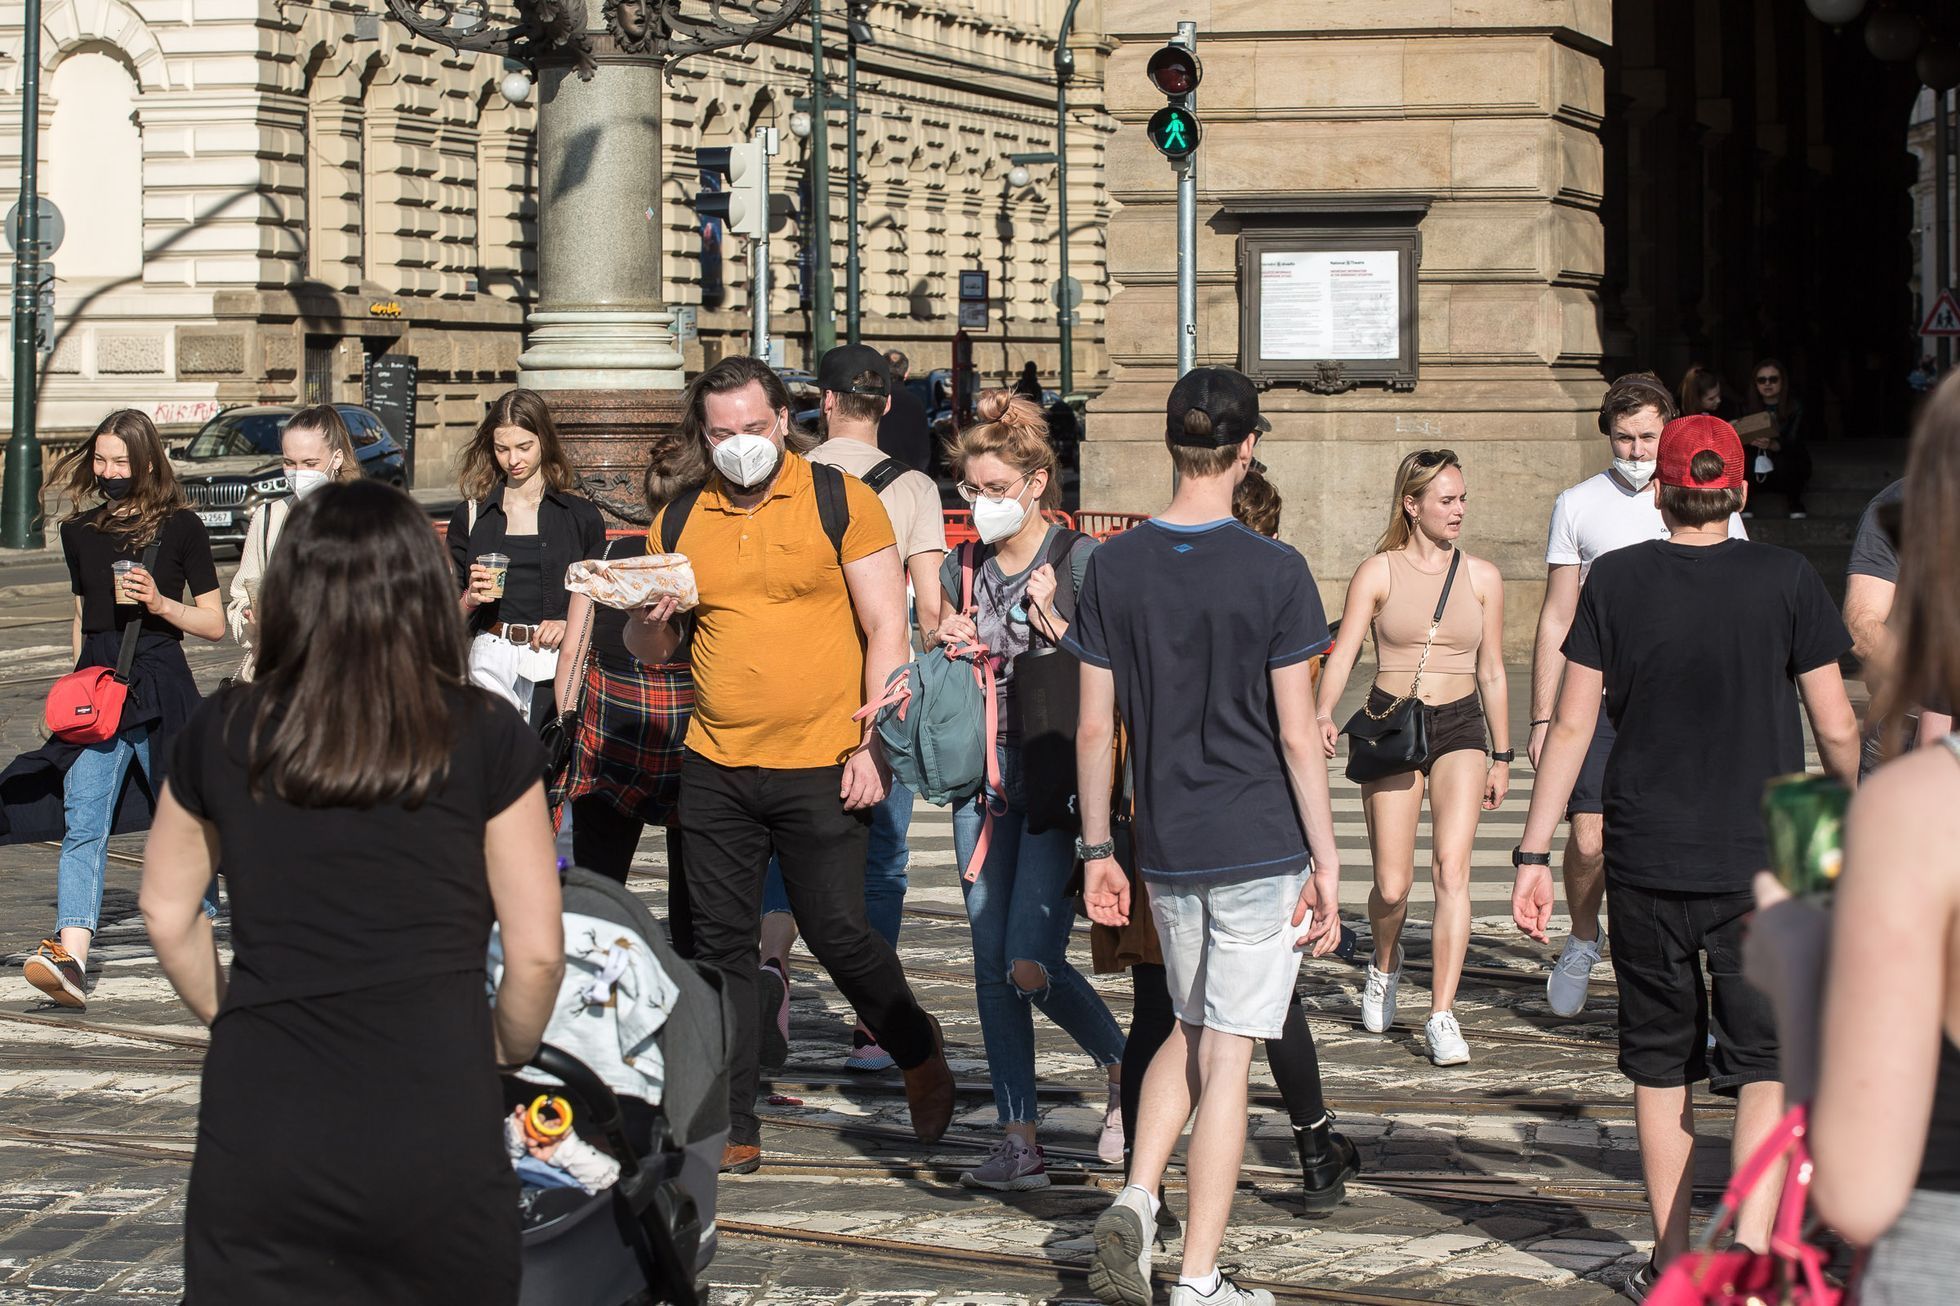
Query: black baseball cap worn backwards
1225, 396
842, 366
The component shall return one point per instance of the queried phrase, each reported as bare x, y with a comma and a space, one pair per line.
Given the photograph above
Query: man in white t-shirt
857, 386
1598, 515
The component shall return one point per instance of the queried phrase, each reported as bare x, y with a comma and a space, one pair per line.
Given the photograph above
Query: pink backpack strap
992, 802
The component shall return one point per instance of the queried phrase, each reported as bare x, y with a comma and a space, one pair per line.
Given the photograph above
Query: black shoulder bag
1047, 697
1397, 740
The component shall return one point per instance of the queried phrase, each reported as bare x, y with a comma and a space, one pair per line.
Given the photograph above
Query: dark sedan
232, 465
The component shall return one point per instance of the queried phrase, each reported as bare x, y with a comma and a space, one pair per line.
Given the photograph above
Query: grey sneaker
1011, 1167
1227, 1294
1120, 1273
1572, 973
1446, 1045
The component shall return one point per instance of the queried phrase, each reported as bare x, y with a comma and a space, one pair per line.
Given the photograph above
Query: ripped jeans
1017, 912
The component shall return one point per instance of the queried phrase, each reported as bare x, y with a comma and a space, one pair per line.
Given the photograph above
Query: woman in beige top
1458, 677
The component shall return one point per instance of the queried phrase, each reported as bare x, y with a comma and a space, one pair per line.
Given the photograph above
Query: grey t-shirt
1872, 553
996, 595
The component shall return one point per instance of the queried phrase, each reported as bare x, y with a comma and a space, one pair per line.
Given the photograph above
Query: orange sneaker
50, 969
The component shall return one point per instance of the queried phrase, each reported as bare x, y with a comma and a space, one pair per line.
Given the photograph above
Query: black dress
350, 1135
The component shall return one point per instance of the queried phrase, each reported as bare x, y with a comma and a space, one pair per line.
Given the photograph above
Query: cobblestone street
1511, 1179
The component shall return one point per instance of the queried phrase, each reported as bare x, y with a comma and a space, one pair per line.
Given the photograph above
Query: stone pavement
1511, 1179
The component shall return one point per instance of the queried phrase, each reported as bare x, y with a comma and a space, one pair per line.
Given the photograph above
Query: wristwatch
1090, 852
1508, 755
1520, 858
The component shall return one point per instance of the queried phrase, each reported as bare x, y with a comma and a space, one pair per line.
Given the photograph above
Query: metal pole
1942, 214
20, 515
1187, 233
851, 181
823, 294
759, 261
1064, 69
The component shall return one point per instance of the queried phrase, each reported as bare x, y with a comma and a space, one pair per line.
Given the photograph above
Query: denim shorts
1229, 954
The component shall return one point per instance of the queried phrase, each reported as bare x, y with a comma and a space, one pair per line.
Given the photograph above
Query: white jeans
511, 671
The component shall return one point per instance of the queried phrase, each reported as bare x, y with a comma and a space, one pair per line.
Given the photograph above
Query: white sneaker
1109, 1143
1446, 1045
1226, 1294
1378, 997
1571, 973
1119, 1273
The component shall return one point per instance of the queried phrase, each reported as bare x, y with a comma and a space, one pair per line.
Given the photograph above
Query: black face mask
115, 488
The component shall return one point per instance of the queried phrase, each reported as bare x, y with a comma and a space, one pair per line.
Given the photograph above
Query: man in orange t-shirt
802, 619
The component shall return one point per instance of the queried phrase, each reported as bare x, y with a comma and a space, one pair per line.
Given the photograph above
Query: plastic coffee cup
498, 565
121, 568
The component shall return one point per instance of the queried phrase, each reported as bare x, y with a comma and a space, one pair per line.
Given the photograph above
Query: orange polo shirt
778, 654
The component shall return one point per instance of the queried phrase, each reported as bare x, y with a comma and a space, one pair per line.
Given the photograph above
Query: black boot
1327, 1161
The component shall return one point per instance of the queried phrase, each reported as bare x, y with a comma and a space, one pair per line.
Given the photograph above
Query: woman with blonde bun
1024, 575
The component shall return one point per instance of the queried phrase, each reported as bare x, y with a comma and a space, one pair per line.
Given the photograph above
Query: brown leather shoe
929, 1091
741, 1158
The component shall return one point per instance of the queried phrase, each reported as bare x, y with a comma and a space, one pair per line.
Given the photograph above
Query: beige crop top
1403, 622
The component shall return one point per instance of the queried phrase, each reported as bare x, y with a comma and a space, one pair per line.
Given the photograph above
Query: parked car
232, 464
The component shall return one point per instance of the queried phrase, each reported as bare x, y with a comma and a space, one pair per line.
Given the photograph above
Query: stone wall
1490, 113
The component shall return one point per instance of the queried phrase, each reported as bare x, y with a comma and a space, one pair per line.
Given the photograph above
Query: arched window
94, 167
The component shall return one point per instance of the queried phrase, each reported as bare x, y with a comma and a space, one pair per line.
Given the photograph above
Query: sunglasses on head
1434, 457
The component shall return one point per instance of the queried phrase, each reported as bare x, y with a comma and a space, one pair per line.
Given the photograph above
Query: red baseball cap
1684, 437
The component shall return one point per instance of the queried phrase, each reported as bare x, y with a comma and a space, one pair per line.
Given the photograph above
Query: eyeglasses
973, 492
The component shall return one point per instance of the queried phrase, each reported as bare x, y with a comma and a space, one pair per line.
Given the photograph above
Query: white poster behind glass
1330, 305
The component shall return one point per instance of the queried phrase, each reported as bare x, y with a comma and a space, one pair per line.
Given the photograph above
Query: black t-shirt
334, 899
902, 432
1700, 648
1872, 553
1192, 620
183, 564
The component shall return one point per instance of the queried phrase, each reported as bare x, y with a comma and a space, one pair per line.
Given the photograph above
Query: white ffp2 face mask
305, 481
747, 459
996, 519
1636, 473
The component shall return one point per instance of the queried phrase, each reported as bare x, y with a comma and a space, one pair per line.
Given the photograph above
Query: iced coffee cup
498, 565
121, 568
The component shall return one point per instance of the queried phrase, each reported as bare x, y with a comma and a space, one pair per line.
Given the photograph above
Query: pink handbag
1791, 1273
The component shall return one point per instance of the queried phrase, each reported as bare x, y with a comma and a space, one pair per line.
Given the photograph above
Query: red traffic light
1175, 70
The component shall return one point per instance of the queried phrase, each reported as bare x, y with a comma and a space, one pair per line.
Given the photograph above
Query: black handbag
559, 734
1047, 697
1396, 740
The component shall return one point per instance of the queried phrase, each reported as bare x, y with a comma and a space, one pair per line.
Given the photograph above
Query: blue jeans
885, 861
88, 798
1017, 912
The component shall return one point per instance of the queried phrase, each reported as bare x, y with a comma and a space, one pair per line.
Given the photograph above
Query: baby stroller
638, 1043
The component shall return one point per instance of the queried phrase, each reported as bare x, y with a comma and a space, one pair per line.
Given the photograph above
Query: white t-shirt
1600, 514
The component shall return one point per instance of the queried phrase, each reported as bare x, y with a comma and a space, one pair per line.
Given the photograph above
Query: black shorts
1453, 727
1589, 792
1659, 939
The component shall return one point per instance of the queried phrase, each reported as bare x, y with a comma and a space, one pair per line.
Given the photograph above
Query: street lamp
856, 30
1018, 177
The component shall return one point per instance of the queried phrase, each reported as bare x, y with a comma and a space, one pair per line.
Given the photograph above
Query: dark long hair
729, 375
154, 494
527, 410
358, 580
1926, 613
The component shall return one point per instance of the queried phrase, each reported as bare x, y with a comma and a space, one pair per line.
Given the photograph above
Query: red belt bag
86, 706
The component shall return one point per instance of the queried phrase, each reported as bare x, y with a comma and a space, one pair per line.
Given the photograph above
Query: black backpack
833, 509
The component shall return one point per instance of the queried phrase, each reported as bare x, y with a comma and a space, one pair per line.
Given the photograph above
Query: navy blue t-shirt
1700, 648
1191, 621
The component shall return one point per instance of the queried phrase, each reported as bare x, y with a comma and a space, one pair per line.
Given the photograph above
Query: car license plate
215, 518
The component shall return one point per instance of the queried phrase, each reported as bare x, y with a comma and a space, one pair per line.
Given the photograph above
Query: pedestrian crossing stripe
1944, 320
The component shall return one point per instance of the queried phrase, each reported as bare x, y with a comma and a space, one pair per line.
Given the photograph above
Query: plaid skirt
628, 745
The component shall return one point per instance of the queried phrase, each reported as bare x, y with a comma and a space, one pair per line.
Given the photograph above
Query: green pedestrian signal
1174, 131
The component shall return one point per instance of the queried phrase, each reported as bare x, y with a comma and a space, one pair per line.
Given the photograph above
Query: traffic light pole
1065, 315
851, 178
20, 513
1187, 231
823, 294
759, 260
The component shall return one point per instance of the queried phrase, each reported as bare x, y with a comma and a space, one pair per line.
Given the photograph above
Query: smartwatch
1521, 858
1508, 755
1090, 852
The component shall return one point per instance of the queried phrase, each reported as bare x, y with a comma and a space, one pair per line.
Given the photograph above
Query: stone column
600, 343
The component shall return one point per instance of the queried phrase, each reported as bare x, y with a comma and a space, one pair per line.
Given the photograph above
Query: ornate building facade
261, 195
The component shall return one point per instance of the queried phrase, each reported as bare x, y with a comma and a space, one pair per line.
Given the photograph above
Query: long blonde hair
1412, 481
